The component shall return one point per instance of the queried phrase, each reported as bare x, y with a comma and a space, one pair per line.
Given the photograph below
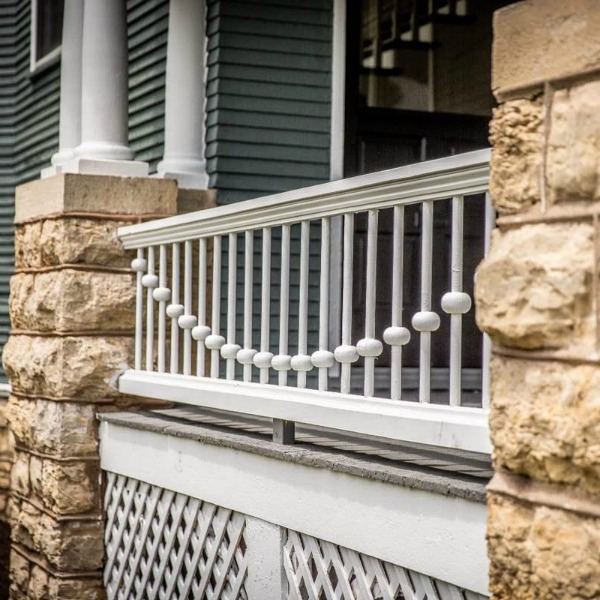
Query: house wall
537, 296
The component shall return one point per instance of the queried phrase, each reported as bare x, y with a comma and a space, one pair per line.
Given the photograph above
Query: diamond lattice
318, 570
167, 546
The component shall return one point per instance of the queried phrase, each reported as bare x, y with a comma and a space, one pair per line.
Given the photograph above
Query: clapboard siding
268, 96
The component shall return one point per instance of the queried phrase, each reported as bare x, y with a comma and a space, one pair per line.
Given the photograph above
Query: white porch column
70, 87
185, 98
104, 120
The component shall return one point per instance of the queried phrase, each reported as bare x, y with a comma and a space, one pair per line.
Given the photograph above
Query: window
46, 32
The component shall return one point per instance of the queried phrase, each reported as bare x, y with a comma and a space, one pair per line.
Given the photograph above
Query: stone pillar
72, 315
537, 295
104, 146
185, 97
70, 87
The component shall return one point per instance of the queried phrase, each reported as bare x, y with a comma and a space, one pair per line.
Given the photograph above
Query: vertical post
216, 305
426, 321
323, 358
176, 309
139, 265
263, 358
69, 133
184, 96
231, 307
247, 355
202, 277
302, 362
188, 321
282, 361
162, 282
490, 222
104, 103
150, 281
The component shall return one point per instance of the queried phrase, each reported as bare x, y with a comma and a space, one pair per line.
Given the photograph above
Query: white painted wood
104, 102
324, 299
150, 315
303, 302
176, 260
202, 291
248, 293
438, 179
264, 546
39, 64
265, 308
426, 272
438, 425
371, 300
139, 312
457, 287
338, 90
231, 301
162, 305
216, 303
440, 536
284, 305
184, 158
490, 223
397, 300
347, 308
69, 133
187, 306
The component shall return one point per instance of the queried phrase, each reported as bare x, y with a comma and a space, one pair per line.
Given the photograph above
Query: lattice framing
318, 570
167, 546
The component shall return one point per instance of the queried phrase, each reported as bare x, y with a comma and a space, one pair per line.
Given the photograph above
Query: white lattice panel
167, 546
318, 570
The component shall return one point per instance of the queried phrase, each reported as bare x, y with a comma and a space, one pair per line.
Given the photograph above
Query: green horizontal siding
268, 95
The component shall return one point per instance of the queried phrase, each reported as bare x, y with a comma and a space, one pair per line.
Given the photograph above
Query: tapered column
185, 97
70, 86
104, 120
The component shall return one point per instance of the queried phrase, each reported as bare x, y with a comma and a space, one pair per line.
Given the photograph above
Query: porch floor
450, 472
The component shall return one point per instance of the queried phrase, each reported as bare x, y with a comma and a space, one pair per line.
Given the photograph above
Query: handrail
466, 173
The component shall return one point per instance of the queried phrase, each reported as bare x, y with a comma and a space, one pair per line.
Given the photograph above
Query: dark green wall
269, 90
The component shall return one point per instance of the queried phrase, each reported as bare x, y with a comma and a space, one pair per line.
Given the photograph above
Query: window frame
37, 65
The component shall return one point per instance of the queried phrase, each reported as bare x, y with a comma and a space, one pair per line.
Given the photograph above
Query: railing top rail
466, 173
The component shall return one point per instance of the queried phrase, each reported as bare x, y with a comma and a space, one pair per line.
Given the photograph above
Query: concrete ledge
377, 470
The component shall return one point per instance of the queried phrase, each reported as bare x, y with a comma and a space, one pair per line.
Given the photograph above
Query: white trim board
462, 428
440, 536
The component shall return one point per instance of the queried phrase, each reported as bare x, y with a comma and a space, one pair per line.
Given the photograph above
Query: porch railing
227, 299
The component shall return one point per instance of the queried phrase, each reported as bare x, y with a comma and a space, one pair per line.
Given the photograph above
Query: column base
97, 166
50, 171
186, 181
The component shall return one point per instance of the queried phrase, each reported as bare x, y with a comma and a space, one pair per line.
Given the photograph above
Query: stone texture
516, 135
38, 584
70, 241
95, 193
534, 290
70, 488
73, 367
541, 553
71, 545
545, 421
76, 589
20, 474
19, 570
61, 429
573, 159
543, 39
72, 300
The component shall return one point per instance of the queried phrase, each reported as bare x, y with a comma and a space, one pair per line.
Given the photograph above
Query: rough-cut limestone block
76, 589
541, 553
543, 39
516, 135
70, 488
20, 474
38, 584
534, 289
61, 429
545, 421
72, 300
573, 159
66, 367
70, 241
97, 194
67, 545
19, 570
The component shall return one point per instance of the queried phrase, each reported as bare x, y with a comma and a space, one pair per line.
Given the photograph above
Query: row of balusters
194, 321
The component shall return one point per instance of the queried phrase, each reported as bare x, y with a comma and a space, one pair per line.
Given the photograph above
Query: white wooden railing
203, 334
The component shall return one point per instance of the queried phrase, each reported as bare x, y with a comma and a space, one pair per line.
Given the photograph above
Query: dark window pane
49, 26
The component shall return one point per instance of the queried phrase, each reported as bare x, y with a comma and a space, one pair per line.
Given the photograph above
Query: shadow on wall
4, 558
